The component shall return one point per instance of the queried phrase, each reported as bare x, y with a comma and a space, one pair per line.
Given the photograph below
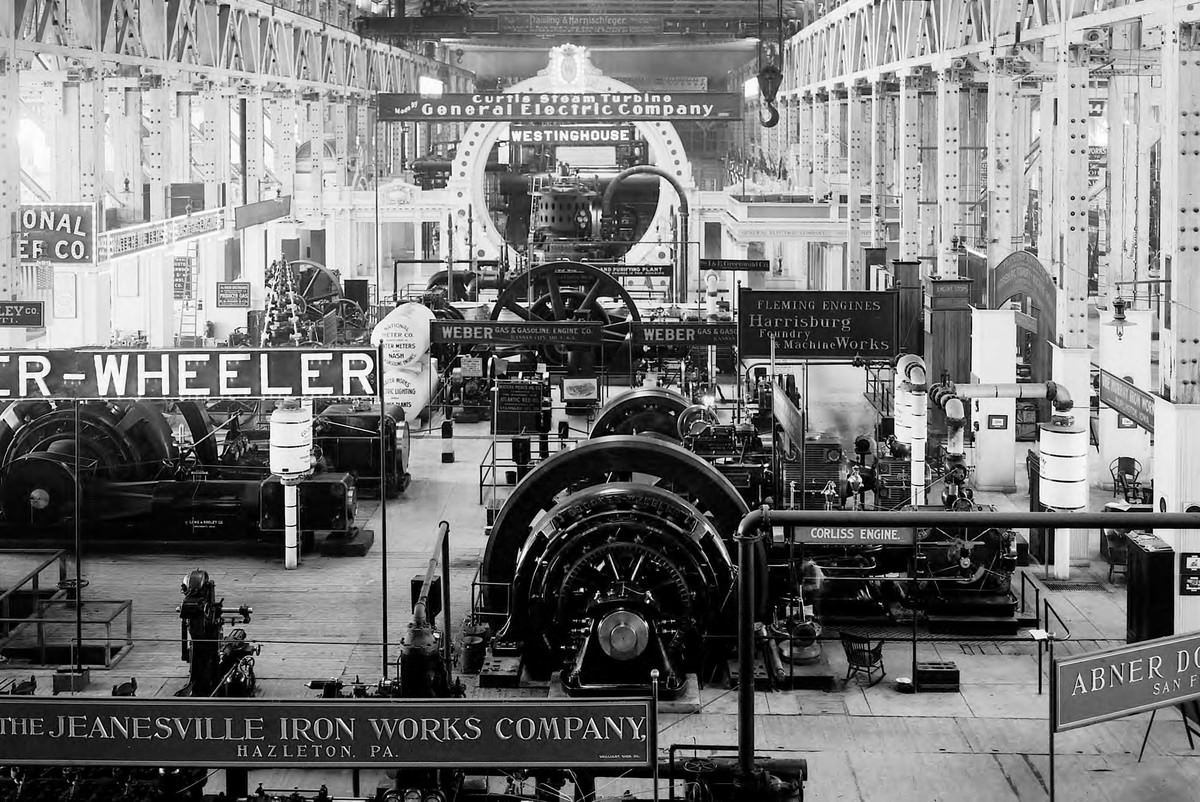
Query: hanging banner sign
1116, 682
572, 135
523, 333
726, 265
1132, 402
22, 314
233, 373
665, 83
685, 333
561, 108
253, 214
856, 535
343, 733
590, 24
64, 233
818, 325
233, 294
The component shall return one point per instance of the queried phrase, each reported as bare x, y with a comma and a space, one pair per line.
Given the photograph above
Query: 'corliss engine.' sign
234, 373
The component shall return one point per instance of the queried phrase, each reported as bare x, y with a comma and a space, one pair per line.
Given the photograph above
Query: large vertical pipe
746, 543
920, 434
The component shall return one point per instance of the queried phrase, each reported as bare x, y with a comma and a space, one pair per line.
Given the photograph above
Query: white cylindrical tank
1063, 484
404, 334
901, 400
291, 441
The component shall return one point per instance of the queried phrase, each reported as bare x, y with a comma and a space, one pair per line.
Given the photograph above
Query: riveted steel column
1069, 250
949, 139
1004, 165
908, 165
859, 143
820, 145
10, 155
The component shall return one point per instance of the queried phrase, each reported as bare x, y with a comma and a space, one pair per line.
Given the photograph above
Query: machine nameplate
1130, 401
857, 535
818, 325
685, 333
232, 373
1111, 683
517, 333
561, 108
342, 733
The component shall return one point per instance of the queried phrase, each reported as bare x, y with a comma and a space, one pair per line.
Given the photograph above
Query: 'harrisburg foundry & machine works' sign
346, 733
1111, 683
561, 108
818, 325
233, 373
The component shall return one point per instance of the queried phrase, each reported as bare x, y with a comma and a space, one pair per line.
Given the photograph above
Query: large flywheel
618, 580
46, 448
649, 410
320, 292
573, 291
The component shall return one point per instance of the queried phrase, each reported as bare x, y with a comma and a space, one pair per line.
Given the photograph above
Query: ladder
188, 335
535, 196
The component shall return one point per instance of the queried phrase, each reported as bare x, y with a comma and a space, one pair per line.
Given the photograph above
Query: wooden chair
1117, 551
863, 658
1125, 472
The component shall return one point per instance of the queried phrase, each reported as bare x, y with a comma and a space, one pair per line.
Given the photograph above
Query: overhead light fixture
1118, 321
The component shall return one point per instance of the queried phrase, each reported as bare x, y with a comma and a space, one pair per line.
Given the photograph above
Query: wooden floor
986, 742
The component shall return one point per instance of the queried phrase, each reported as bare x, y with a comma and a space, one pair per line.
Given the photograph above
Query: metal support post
747, 540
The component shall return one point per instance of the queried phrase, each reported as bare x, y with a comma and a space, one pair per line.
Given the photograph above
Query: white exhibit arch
570, 71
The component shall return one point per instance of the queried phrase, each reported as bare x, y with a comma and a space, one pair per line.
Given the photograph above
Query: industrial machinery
219, 664
614, 579
305, 303
135, 477
347, 435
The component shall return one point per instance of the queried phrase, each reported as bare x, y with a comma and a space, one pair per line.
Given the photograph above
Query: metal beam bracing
234, 40
865, 40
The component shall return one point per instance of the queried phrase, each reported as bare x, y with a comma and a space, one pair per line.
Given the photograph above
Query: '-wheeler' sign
856, 535
1132, 402
1111, 683
523, 333
349, 733
818, 325
561, 108
233, 373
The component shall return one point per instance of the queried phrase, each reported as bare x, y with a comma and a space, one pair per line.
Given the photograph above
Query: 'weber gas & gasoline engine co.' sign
58, 232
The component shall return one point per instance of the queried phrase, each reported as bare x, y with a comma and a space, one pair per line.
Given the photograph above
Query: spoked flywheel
573, 291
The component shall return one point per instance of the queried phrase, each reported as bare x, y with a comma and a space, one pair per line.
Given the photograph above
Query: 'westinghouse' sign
346, 733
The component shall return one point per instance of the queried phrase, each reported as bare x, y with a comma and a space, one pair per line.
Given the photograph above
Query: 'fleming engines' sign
818, 325
347, 733
561, 108
60, 232
235, 373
